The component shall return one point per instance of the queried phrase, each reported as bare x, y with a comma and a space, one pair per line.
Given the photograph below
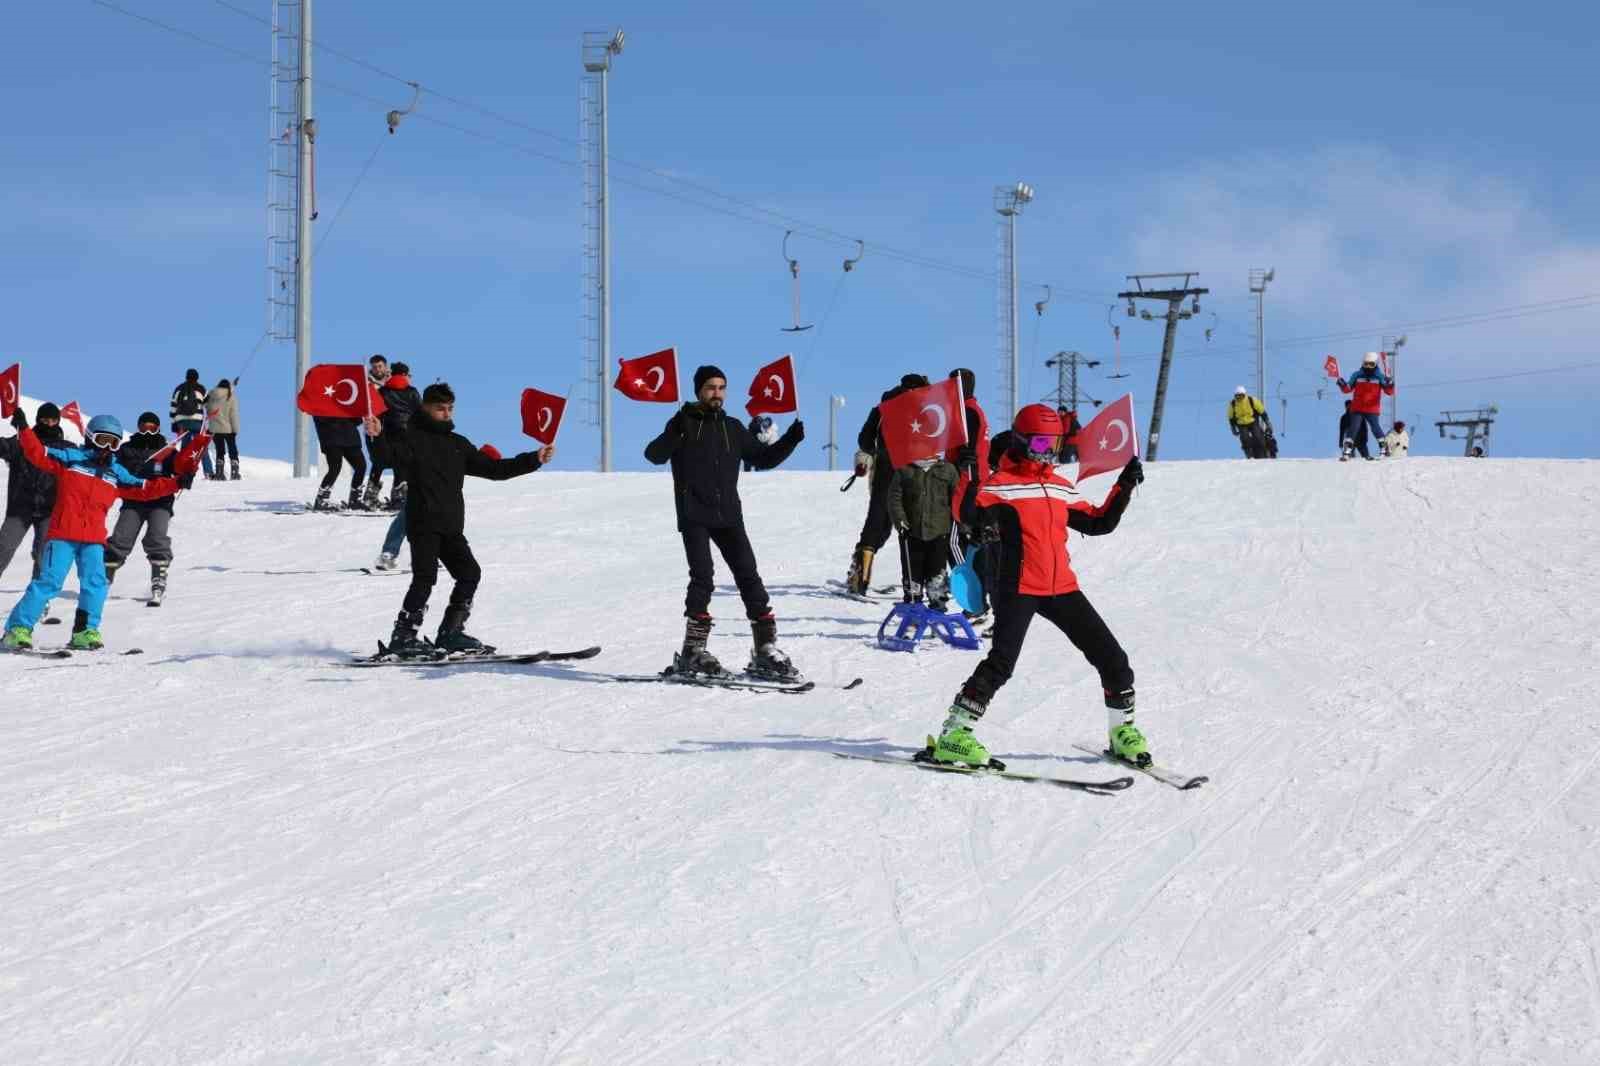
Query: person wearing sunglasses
1023, 512
153, 518
77, 534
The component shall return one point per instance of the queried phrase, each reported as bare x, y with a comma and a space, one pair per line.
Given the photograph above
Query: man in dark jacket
152, 517
30, 492
706, 448
401, 400
875, 530
189, 410
438, 460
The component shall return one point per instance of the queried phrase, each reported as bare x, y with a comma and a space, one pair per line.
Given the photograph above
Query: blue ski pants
397, 533
58, 558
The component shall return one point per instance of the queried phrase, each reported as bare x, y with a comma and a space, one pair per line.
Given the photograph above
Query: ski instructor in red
706, 449
1023, 512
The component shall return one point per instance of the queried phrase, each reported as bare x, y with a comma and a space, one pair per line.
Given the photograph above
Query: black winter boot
404, 642
234, 467
321, 502
768, 661
158, 581
452, 636
355, 502
694, 658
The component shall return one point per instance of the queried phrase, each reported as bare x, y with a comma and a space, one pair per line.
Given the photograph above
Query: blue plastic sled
967, 587
910, 622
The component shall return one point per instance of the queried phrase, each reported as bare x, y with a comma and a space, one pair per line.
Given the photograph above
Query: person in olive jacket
706, 449
438, 461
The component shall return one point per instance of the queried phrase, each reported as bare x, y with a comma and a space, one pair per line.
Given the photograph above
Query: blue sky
1397, 164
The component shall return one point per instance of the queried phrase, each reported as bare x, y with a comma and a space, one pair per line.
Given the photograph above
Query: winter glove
863, 464
19, 421
966, 457
797, 430
1132, 474
1234, 428
986, 530
186, 482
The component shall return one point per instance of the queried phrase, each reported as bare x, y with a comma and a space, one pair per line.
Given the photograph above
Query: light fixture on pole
1258, 288
1009, 200
598, 51
1391, 350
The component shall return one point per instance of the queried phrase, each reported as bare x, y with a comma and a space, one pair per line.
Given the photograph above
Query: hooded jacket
706, 449
401, 400
1244, 410
437, 461
86, 488
30, 492
222, 410
1367, 388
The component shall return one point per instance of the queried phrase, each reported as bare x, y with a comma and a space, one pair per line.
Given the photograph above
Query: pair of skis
1108, 787
387, 658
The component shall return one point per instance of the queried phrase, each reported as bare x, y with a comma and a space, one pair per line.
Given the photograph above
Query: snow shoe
768, 661
18, 637
322, 503
386, 562
404, 642
694, 658
452, 637
86, 640
955, 743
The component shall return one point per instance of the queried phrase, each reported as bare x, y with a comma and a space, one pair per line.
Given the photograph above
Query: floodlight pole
1175, 313
1391, 348
1009, 201
1258, 288
832, 447
598, 50
305, 134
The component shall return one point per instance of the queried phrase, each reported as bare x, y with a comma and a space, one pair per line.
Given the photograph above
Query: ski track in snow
230, 851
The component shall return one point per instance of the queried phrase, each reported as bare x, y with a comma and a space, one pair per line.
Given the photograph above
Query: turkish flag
1331, 365
10, 389
651, 378
70, 413
333, 390
1109, 440
773, 391
924, 423
541, 414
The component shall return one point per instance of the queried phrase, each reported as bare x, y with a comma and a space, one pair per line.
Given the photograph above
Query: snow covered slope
229, 851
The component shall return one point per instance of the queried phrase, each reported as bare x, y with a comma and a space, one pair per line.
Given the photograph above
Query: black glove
797, 430
19, 420
186, 482
1233, 428
986, 531
966, 457
1132, 474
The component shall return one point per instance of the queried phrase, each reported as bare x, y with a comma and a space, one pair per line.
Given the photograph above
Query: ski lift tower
1009, 200
598, 50
1258, 288
291, 135
1476, 423
1174, 295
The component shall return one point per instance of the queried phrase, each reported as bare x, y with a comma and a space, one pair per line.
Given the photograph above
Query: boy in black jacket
437, 461
706, 448
152, 517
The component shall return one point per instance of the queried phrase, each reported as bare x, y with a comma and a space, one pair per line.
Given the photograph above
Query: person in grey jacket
222, 419
919, 507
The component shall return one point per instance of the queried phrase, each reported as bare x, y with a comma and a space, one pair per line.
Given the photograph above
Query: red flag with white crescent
541, 414
924, 423
10, 389
335, 390
1331, 365
650, 378
1109, 440
70, 413
773, 391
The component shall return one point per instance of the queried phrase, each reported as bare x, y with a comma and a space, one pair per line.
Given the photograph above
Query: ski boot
452, 638
372, 498
955, 744
1347, 450
356, 502
1126, 742
397, 496
695, 658
386, 562
860, 576
938, 592
322, 503
404, 642
768, 661
18, 638
158, 581
86, 639
234, 469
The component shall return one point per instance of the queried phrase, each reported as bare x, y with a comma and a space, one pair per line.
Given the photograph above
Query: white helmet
1239, 391
1370, 359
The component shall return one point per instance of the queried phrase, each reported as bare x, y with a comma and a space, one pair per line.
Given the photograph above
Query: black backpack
190, 401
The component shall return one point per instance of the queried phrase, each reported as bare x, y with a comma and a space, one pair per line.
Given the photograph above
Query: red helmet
1037, 420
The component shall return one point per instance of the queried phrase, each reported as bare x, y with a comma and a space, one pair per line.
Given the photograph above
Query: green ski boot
1128, 743
956, 744
19, 638
86, 640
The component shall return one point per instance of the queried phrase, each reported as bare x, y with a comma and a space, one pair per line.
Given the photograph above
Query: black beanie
438, 392
913, 381
191, 374
148, 416
969, 380
46, 410
706, 373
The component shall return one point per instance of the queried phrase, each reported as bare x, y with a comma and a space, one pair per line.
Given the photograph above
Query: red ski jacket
1369, 386
85, 490
977, 437
1032, 507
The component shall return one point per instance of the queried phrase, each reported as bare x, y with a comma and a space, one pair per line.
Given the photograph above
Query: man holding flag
1023, 512
706, 448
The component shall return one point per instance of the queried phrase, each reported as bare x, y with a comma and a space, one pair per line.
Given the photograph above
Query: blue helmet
103, 424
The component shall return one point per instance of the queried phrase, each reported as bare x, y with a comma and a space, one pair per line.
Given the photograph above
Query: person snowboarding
438, 460
88, 481
875, 530
188, 410
340, 441
1024, 513
401, 401
1366, 388
919, 507
706, 447
30, 492
1247, 419
222, 419
152, 517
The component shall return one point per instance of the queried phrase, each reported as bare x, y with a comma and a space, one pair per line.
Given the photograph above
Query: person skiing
340, 440
1366, 388
919, 507
875, 530
222, 419
1247, 418
88, 481
1024, 512
437, 461
30, 492
401, 401
152, 517
188, 410
706, 448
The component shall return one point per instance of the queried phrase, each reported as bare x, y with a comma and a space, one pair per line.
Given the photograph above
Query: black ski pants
430, 549
227, 446
1253, 441
375, 477
927, 558
335, 461
875, 530
13, 529
734, 544
1074, 615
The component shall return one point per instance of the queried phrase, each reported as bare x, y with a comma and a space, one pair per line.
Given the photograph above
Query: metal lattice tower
1066, 364
598, 50
291, 135
1009, 201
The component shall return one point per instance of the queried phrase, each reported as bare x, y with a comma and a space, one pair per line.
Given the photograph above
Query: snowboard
383, 658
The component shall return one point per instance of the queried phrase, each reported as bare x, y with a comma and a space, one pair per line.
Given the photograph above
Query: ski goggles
109, 441
1039, 444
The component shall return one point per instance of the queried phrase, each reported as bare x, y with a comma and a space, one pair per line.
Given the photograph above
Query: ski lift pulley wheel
794, 285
